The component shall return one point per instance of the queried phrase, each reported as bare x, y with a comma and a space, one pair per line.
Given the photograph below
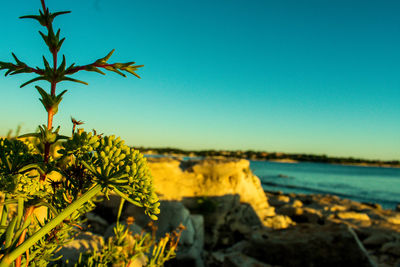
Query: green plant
65, 175
124, 249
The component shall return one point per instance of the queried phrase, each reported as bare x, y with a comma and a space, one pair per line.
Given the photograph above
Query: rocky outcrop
308, 245
175, 180
231, 221
376, 228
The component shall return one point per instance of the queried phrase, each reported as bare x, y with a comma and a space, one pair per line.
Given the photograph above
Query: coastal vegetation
49, 182
271, 156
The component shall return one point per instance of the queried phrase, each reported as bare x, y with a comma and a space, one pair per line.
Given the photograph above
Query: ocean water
364, 184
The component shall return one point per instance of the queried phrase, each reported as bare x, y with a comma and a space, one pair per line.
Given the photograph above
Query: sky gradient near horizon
309, 76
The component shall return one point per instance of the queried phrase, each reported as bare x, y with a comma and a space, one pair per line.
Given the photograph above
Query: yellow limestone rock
351, 215
175, 179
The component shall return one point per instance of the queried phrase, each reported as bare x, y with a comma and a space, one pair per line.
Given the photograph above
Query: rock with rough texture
278, 200
309, 245
233, 256
290, 211
192, 255
175, 180
377, 240
335, 208
297, 203
223, 217
311, 216
301, 215
85, 241
278, 222
174, 213
96, 223
392, 248
238, 259
394, 219
350, 215
243, 219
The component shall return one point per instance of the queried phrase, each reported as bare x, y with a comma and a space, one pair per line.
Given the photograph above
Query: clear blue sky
293, 76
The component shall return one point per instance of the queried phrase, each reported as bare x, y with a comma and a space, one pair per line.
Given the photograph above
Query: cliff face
175, 180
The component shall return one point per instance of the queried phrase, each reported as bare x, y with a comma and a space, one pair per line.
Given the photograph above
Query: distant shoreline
291, 161
272, 157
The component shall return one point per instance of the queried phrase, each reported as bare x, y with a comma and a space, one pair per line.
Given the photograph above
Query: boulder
96, 223
175, 180
217, 212
309, 245
278, 200
394, 219
278, 222
377, 240
85, 241
311, 215
226, 219
301, 215
335, 208
233, 256
290, 211
351, 215
244, 220
375, 214
297, 203
237, 259
193, 254
174, 213
392, 248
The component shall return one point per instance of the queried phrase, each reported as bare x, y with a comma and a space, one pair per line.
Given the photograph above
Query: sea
364, 184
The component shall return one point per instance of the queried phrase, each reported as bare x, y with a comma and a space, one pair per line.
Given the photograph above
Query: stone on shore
310, 245
350, 215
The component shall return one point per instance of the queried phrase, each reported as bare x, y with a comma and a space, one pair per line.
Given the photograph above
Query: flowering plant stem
85, 165
9, 258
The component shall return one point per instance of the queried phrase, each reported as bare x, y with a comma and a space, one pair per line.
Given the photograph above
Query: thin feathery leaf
55, 14
109, 55
42, 92
62, 93
62, 65
33, 80
46, 63
74, 80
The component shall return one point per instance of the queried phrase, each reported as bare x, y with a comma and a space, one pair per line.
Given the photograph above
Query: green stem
8, 259
4, 214
20, 212
121, 205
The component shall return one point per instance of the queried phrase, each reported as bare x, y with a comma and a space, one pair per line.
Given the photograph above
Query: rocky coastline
231, 221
